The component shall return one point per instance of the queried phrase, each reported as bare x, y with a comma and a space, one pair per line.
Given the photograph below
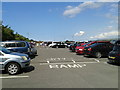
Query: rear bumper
114, 59
79, 52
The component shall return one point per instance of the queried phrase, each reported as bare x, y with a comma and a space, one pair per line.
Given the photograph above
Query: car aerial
13, 62
98, 49
18, 46
80, 49
114, 55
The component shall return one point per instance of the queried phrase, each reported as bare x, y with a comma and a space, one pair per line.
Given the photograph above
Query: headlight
80, 49
24, 57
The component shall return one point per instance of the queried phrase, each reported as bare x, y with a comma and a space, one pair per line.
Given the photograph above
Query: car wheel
98, 55
13, 68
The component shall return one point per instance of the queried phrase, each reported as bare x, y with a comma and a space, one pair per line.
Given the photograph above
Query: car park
19, 46
80, 49
114, 55
13, 62
98, 49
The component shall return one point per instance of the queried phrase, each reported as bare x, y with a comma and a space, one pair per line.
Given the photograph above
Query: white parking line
66, 63
48, 61
3, 77
96, 60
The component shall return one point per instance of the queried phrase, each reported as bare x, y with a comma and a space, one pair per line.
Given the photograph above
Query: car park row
99, 49
15, 55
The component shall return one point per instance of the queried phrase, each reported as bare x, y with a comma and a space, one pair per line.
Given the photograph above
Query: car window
20, 44
10, 45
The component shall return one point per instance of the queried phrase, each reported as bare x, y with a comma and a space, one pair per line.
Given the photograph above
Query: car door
1, 60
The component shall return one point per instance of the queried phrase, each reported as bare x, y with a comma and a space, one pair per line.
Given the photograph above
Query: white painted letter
63, 66
73, 66
53, 66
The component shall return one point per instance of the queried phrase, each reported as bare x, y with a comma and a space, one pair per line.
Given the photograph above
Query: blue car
18, 46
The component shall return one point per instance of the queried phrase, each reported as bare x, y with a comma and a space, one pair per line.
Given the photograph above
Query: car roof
12, 41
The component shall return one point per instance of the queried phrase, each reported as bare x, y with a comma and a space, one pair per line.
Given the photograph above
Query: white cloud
73, 11
105, 35
79, 33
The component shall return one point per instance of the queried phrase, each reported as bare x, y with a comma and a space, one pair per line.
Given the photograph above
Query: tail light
29, 49
89, 49
118, 54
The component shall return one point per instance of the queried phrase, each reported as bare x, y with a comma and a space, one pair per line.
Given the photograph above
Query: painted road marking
48, 61
67, 66
73, 61
96, 60
3, 77
66, 63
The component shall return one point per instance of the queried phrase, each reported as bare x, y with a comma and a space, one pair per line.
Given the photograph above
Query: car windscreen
116, 48
4, 50
86, 44
92, 45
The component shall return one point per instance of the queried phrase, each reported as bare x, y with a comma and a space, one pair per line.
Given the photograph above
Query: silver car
13, 62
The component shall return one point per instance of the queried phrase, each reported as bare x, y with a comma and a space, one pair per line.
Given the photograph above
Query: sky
59, 21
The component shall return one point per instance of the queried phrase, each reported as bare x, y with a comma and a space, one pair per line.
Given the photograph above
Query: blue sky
60, 21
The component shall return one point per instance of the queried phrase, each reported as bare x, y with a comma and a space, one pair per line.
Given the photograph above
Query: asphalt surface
60, 68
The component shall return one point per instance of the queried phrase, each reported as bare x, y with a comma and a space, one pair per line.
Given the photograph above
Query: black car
98, 49
114, 55
59, 45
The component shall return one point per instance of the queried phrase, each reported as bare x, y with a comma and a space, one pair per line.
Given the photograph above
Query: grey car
13, 62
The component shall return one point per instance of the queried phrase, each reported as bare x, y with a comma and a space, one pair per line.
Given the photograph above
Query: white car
13, 62
50, 45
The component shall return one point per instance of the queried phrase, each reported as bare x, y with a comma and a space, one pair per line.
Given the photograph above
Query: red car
80, 49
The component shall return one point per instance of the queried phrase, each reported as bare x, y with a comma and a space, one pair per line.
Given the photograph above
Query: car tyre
13, 68
98, 55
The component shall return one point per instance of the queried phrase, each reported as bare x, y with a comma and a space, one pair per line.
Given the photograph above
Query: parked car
73, 46
19, 46
33, 49
52, 44
98, 49
114, 55
13, 62
80, 49
59, 45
